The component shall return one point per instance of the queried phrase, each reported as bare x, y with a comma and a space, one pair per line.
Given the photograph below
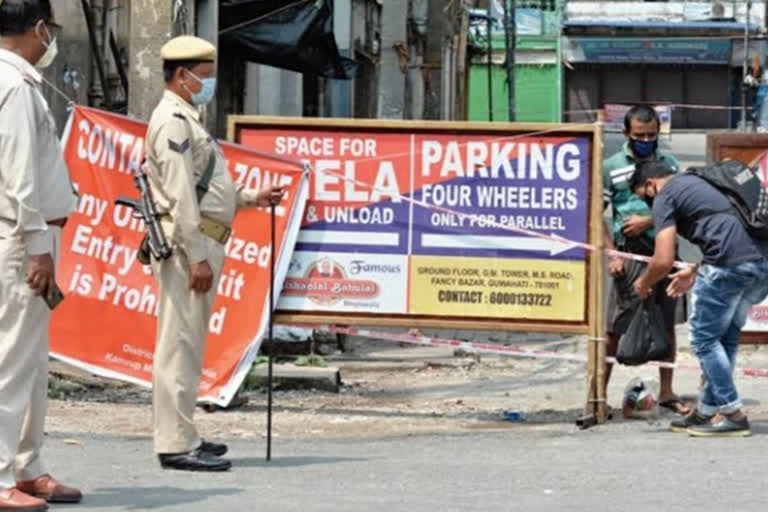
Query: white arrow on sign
503, 243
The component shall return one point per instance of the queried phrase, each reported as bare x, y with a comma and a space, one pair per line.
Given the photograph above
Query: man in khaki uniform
196, 199
36, 196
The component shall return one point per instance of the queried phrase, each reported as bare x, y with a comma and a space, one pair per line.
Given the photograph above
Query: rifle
154, 241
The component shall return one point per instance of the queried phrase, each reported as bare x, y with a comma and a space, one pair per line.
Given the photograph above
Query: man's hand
269, 195
642, 290
636, 225
200, 277
40, 273
682, 282
616, 266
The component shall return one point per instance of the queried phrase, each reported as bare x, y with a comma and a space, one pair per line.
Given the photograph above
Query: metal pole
271, 338
97, 53
510, 32
490, 65
745, 69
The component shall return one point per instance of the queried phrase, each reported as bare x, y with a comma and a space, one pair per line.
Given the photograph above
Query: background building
418, 59
678, 52
536, 68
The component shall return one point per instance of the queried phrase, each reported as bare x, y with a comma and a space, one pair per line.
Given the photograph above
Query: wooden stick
598, 328
594, 408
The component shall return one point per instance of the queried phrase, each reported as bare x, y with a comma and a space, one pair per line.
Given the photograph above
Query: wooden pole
590, 415
595, 410
598, 329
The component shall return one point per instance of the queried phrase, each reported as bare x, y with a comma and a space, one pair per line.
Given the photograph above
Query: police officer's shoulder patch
180, 148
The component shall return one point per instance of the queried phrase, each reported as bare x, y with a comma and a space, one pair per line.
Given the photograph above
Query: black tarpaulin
294, 35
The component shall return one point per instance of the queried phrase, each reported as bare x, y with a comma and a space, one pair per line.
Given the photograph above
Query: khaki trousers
178, 361
24, 320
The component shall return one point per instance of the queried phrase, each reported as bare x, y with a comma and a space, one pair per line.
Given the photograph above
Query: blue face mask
206, 93
643, 148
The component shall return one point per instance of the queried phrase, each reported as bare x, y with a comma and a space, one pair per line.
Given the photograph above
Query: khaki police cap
188, 48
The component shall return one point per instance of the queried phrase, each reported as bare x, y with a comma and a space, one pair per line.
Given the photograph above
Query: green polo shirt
624, 202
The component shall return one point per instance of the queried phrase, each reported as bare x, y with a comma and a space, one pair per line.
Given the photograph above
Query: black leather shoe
196, 460
217, 449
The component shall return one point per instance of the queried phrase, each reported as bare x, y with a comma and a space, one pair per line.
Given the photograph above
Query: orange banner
107, 323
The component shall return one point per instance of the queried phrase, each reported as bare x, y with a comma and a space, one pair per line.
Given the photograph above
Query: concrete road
628, 467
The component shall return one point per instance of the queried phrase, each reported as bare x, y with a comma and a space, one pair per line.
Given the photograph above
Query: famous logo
326, 283
363, 267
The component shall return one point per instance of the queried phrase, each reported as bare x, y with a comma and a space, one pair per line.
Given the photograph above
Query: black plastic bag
641, 325
297, 36
646, 337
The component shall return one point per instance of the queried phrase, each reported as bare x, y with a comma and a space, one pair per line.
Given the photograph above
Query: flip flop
673, 403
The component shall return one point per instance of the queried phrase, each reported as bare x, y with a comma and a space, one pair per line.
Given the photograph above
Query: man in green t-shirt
632, 231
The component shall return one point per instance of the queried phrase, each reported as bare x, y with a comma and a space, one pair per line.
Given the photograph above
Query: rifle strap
205, 180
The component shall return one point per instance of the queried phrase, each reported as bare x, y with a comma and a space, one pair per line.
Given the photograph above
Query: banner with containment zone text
107, 322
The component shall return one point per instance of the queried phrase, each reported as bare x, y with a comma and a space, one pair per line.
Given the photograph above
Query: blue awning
648, 49
720, 26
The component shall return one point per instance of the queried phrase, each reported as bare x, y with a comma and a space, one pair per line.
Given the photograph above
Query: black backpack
744, 189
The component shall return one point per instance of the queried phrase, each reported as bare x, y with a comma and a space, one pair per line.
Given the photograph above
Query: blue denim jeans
722, 298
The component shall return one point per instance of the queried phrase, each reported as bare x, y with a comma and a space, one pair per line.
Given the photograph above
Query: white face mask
51, 50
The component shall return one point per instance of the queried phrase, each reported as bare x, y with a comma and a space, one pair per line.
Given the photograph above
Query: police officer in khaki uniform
36, 196
196, 199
